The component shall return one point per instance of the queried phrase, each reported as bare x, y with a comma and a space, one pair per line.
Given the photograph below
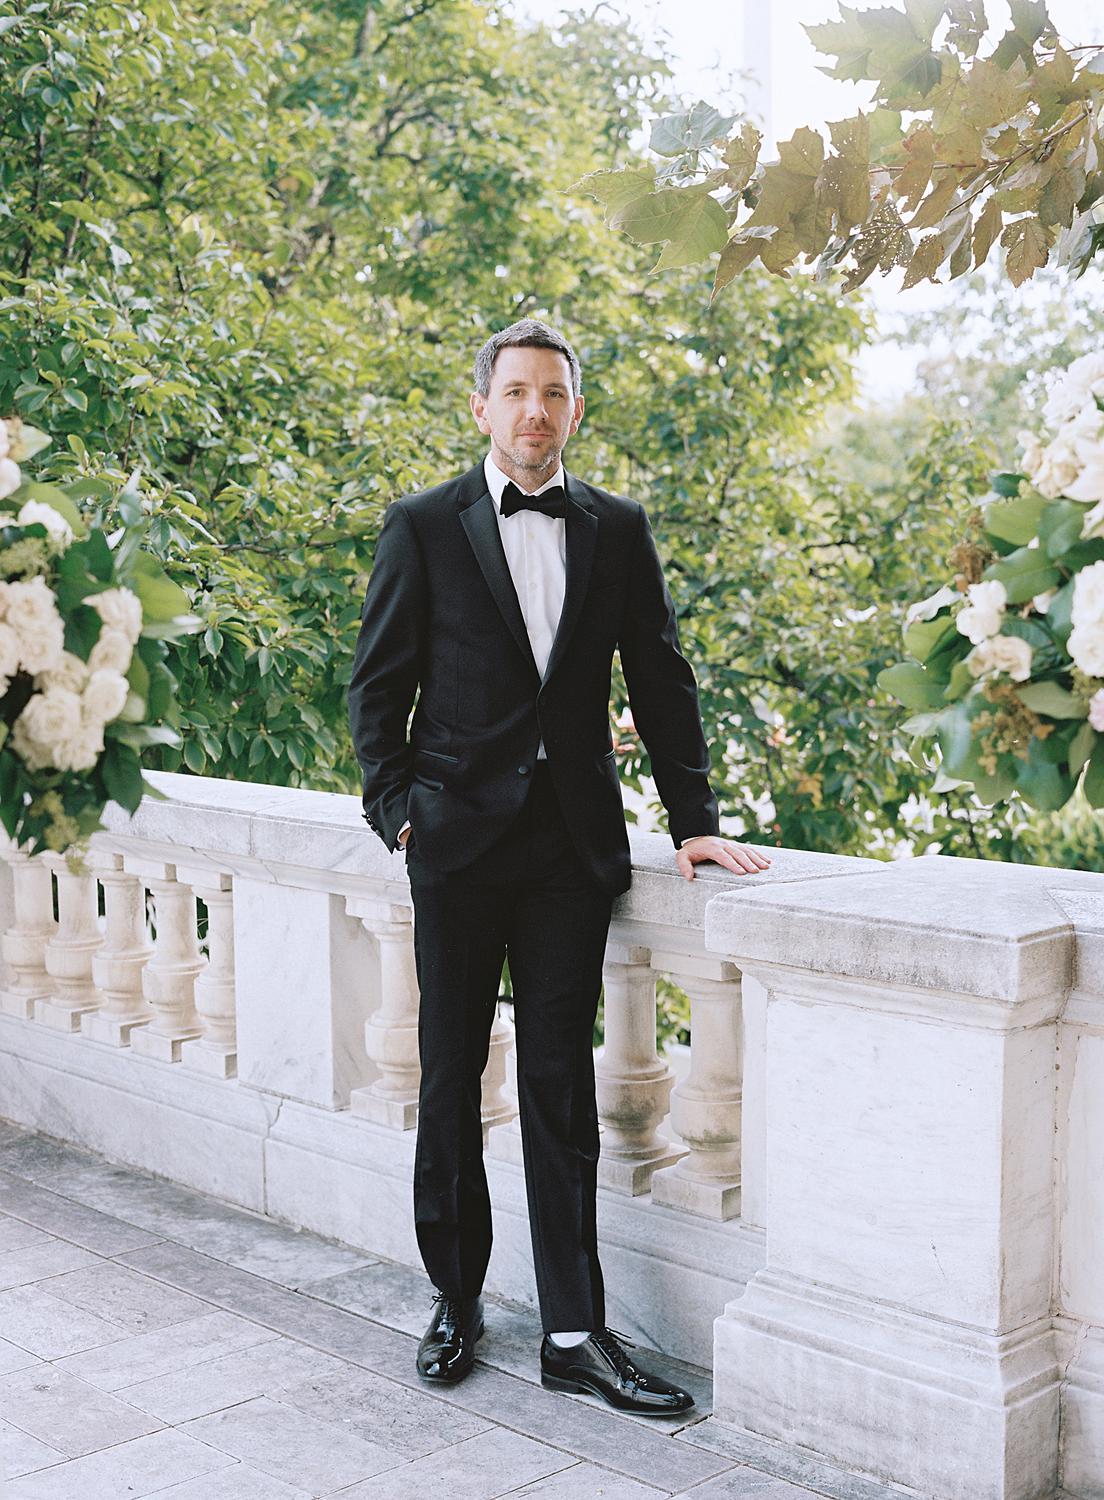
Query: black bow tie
550, 502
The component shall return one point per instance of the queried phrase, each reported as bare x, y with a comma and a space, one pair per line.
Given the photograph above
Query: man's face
529, 412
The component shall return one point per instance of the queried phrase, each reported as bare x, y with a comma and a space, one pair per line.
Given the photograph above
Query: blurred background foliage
247, 253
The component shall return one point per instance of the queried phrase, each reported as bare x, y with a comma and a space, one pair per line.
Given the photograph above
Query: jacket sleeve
663, 696
386, 672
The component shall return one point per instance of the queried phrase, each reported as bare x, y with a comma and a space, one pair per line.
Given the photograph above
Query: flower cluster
1007, 669
74, 681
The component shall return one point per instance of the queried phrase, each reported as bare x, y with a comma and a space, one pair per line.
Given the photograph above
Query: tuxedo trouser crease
527, 899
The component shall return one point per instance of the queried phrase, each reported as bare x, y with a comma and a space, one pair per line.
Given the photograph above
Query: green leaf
1061, 527
925, 637
1006, 483
674, 135
616, 189
122, 774
1042, 782
162, 600
1094, 776
910, 684
56, 499
687, 220
1081, 747
1026, 572
1014, 520
194, 757
1052, 699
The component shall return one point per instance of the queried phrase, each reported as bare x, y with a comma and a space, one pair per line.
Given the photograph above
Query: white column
70, 950
215, 1050
632, 1082
902, 1324
168, 980
391, 1031
497, 1108
26, 939
117, 965
705, 1106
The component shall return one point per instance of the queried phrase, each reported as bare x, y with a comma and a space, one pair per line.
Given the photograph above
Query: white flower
32, 613
1086, 646
1041, 602
1094, 521
70, 672
112, 652
82, 751
1096, 710
1001, 653
927, 609
1088, 595
103, 698
45, 515
984, 613
1069, 390
47, 724
1033, 452
1058, 468
9, 651
119, 609
10, 477
5, 441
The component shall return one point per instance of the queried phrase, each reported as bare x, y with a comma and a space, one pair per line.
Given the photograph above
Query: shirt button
523, 770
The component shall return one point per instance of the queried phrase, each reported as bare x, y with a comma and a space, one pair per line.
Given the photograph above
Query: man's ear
577, 416
478, 410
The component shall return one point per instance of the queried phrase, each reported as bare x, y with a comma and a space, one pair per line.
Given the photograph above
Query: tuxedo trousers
527, 900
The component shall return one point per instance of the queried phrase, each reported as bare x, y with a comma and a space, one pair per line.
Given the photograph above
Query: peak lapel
479, 521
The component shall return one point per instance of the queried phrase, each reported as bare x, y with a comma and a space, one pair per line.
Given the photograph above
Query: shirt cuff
693, 836
401, 841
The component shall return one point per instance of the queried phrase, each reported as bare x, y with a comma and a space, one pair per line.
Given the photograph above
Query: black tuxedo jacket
441, 619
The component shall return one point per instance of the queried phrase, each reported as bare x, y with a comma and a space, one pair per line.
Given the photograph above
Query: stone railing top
966, 927
289, 835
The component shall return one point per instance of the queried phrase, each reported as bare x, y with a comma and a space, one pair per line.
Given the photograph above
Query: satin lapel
581, 535
481, 525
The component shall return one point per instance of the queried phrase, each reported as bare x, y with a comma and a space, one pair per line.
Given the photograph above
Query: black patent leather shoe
601, 1367
447, 1349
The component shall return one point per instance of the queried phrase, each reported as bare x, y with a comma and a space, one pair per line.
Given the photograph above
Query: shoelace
606, 1339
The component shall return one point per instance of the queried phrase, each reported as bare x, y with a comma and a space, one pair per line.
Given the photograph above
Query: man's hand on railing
741, 859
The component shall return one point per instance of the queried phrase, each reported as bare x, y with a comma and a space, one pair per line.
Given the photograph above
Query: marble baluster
117, 966
215, 1050
632, 1082
70, 950
26, 939
391, 1032
497, 1107
705, 1106
168, 980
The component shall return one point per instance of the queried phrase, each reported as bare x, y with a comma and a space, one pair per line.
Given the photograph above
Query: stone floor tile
10, 1133
145, 1466
748, 1484
67, 1413
585, 1481
260, 1371
14, 1358
330, 1329
234, 1235
797, 1465
318, 1457
480, 1468
594, 1432
389, 1293
16, 1235
406, 1422
50, 1328
22, 1454
68, 1220
134, 1301
144, 1356
38, 1157
241, 1482
37, 1262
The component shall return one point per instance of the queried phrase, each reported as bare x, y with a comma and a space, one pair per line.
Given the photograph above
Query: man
499, 598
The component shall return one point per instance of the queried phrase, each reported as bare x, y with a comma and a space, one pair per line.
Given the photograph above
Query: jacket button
523, 770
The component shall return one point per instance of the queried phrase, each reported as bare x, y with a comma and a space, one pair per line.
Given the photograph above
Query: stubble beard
527, 463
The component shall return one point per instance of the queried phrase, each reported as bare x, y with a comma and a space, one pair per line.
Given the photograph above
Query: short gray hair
527, 333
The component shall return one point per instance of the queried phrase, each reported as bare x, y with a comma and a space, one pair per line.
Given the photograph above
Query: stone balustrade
873, 1200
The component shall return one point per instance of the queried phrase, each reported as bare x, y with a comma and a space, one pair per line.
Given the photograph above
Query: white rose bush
1006, 669
86, 618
